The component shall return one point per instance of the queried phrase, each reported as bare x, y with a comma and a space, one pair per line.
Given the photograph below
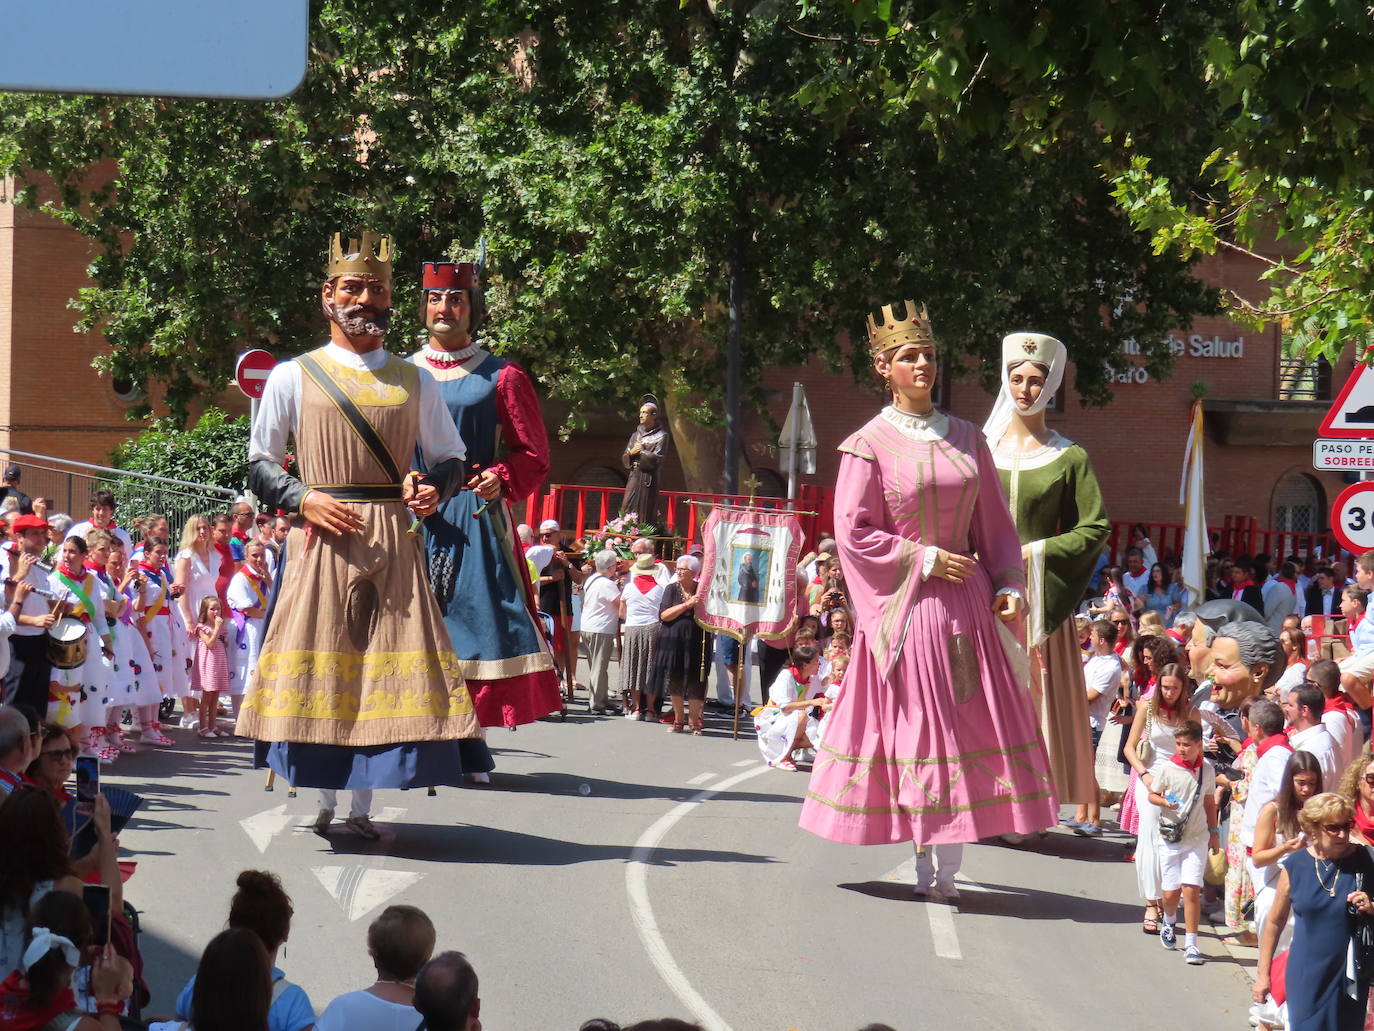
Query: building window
1298, 504
126, 390
1301, 380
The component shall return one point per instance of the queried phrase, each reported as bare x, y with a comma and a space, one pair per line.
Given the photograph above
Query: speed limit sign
1352, 517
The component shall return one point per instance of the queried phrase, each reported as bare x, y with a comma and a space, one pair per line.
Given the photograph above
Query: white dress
157, 621
777, 729
181, 644
244, 647
147, 686
79, 694
121, 681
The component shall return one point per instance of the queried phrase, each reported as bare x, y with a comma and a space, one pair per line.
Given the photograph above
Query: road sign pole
793, 446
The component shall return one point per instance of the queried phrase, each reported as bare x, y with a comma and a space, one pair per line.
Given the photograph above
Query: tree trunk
698, 448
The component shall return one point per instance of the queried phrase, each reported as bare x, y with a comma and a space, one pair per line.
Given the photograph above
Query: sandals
676, 728
697, 728
1150, 924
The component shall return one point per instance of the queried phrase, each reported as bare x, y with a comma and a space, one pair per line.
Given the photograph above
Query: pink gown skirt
945, 749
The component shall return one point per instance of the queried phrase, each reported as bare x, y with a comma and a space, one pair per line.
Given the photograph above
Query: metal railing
69, 485
1301, 380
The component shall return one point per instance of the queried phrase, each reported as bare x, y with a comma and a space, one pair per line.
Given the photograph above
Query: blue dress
1317, 996
475, 564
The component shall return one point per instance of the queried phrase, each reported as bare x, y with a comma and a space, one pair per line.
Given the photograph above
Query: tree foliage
622, 160
213, 452
1237, 125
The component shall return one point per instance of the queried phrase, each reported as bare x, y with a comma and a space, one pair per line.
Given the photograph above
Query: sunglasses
1337, 828
1369, 779
1121, 622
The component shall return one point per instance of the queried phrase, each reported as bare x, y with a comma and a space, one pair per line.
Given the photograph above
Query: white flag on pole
1190, 495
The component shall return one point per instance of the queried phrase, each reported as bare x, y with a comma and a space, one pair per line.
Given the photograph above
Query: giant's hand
323, 511
1008, 607
954, 568
424, 500
486, 484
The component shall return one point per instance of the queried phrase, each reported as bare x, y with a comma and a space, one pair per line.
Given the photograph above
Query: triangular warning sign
1352, 413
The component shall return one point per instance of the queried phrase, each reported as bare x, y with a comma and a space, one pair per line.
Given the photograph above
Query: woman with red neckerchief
247, 594
154, 607
128, 581
77, 699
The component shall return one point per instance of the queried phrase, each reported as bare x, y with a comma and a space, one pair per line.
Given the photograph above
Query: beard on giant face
358, 320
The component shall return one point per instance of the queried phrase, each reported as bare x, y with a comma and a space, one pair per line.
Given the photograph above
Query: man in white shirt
1102, 675
1306, 732
1136, 575
1357, 668
644, 546
102, 518
1338, 713
600, 628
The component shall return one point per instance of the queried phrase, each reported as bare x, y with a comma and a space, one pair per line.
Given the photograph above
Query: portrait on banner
748, 572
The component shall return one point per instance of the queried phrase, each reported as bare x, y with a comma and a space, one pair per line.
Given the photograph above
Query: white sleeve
439, 438
238, 594
7, 623
278, 414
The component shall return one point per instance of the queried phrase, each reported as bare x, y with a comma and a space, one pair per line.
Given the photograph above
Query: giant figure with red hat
475, 562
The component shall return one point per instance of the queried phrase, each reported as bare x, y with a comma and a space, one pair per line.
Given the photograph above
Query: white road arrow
359, 890
262, 827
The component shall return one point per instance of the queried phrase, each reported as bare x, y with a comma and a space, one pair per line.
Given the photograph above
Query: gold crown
370, 256
894, 332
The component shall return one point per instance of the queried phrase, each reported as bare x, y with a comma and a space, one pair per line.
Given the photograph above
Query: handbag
1215, 871
1145, 748
1172, 822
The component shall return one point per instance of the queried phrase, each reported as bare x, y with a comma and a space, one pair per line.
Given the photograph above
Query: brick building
1262, 412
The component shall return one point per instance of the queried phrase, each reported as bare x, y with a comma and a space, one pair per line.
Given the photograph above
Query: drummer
80, 694
26, 682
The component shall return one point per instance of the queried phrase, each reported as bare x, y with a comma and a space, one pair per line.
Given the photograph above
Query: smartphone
97, 899
87, 779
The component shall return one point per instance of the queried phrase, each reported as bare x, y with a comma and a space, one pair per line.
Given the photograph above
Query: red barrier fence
581, 509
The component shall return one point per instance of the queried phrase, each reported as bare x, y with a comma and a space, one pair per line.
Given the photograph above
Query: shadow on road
555, 783
471, 844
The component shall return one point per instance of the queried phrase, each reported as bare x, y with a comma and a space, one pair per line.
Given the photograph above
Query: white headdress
1025, 347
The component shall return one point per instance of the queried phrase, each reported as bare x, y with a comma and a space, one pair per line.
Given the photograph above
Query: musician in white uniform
26, 680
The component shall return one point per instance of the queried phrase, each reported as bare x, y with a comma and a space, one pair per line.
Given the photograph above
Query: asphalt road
612, 869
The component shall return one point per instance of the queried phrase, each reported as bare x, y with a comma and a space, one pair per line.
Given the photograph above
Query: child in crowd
211, 663
1184, 791
785, 723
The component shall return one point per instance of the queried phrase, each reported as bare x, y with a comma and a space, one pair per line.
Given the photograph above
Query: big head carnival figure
1057, 505
932, 738
475, 559
357, 685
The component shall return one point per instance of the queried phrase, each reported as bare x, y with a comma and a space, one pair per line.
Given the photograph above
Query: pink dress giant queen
932, 738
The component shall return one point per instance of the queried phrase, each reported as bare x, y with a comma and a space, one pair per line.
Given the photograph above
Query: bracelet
109, 1009
1213, 830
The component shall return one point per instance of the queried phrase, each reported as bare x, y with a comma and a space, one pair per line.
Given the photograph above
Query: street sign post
1343, 455
1352, 517
251, 372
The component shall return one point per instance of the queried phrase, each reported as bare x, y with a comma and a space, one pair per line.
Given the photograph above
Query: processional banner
749, 571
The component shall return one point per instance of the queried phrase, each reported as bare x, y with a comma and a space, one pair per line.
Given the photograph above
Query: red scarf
1364, 821
143, 564
79, 576
95, 567
17, 1014
1273, 741
1237, 587
1339, 704
645, 582
1178, 760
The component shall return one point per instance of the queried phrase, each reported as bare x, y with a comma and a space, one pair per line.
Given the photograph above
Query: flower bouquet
620, 533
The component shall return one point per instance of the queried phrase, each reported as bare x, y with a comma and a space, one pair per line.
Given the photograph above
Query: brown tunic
357, 653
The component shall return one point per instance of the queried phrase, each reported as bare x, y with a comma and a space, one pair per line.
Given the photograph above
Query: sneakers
323, 820
362, 826
1194, 956
479, 778
1168, 936
1088, 830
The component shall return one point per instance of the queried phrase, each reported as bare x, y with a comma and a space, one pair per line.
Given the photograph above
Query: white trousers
938, 864
360, 805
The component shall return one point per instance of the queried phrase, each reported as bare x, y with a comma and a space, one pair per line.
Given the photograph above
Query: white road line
746, 762
702, 778
942, 931
636, 885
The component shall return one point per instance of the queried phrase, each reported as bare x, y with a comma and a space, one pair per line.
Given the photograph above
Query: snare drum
67, 643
